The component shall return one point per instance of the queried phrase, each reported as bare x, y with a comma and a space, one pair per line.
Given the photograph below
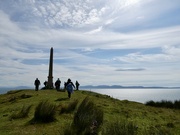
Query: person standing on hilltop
77, 85
65, 85
37, 83
69, 87
57, 84
45, 84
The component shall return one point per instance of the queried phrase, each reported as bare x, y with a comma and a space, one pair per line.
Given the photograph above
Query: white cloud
90, 26
172, 50
87, 49
149, 58
95, 30
109, 21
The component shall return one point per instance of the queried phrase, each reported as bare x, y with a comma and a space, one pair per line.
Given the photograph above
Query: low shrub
69, 108
164, 104
12, 99
177, 104
22, 113
23, 96
120, 127
44, 112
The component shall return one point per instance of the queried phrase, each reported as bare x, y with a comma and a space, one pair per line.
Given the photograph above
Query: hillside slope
144, 117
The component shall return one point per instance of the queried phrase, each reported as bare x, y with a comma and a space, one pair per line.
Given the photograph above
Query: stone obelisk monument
50, 77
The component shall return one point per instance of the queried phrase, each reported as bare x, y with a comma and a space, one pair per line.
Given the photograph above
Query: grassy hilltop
21, 110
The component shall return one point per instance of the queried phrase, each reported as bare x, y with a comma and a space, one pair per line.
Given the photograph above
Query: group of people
69, 86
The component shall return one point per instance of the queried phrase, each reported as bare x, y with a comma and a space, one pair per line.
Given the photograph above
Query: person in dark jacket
77, 85
69, 87
57, 84
37, 83
45, 84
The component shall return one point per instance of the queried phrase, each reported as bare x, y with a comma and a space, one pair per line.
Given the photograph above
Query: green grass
120, 127
136, 117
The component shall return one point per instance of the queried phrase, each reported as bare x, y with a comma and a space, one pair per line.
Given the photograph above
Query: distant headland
120, 86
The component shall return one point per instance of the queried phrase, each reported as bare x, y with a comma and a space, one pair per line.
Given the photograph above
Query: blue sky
119, 42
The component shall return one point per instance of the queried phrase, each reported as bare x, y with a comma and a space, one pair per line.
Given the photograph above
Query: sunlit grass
144, 118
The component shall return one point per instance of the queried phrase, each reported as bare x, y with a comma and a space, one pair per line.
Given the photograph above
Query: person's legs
37, 87
69, 94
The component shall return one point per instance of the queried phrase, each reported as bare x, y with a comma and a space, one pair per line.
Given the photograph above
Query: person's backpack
56, 83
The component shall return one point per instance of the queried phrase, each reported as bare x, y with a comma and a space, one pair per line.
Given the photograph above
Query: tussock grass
69, 108
44, 112
87, 120
23, 113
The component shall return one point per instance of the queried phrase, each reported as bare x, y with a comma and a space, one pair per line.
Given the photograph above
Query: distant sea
141, 95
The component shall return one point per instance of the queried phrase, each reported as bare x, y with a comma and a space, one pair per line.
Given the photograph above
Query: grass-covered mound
50, 112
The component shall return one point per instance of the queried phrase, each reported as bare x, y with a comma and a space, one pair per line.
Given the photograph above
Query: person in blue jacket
69, 87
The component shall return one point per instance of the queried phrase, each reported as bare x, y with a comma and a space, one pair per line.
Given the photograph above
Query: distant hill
5, 89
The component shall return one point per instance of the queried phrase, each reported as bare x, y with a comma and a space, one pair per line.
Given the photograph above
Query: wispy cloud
91, 40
